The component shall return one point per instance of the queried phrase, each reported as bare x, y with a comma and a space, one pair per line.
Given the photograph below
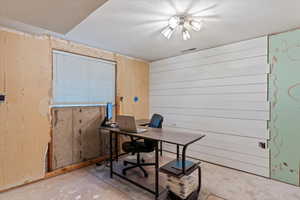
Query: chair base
135, 165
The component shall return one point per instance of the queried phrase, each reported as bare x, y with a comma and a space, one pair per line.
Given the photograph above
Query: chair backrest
156, 121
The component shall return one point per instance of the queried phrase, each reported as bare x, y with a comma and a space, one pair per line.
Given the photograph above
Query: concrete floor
93, 183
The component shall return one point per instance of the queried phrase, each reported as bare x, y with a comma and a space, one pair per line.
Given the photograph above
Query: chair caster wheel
125, 163
143, 161
124, 173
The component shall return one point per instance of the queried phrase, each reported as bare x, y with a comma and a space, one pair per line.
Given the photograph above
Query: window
82, 80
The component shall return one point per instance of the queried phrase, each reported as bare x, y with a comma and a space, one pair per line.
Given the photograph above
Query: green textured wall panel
284, 94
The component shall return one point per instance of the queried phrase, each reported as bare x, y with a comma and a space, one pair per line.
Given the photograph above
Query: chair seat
135, 147
147, 146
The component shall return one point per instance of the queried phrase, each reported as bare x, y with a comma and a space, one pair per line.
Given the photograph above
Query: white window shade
82, 80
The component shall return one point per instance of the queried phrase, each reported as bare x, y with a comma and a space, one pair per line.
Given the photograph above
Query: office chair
136, 147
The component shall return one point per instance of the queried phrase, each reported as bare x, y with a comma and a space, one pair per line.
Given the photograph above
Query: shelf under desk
169, 168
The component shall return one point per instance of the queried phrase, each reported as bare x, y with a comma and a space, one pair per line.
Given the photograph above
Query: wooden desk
162, 134
178, 138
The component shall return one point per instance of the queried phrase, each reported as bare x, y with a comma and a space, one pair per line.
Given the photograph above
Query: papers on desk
182, 187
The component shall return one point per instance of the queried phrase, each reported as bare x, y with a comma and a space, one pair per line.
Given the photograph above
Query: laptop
127, 123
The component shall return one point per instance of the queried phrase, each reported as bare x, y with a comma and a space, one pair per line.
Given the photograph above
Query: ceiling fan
184, 23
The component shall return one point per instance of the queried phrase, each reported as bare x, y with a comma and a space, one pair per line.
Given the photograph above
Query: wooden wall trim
72, 47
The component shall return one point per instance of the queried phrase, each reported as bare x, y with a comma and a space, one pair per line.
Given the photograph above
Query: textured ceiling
55, 15
133, 27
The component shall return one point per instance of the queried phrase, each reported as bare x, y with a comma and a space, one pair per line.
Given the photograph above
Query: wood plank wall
25, 119
221, 92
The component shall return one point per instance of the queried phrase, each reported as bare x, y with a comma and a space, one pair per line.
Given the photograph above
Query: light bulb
174, 22
185, 34
196, 25
167, 32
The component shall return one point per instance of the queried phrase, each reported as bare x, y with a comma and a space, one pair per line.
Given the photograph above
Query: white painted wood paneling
229, 143
209, 102
258, 44
228, 160
216, 90
218, 113
247, 128
221, 92
244, 67
216, 82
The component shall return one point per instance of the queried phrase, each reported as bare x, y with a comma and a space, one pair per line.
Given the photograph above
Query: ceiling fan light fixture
185, 34
196, 25
184, 24
174, 22
167, 32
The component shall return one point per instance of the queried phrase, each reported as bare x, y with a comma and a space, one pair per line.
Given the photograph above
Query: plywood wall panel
133, 81
2, 76
25, 124
26, 79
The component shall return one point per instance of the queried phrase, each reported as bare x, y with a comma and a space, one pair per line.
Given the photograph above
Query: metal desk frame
112, 172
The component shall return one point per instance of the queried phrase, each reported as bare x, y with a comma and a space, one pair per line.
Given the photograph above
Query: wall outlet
262, 145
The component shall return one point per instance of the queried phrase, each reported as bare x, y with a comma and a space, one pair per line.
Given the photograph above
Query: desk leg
199, 179
177, 152
111, 154
183, 159
161, 148
156, 171
117, 146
